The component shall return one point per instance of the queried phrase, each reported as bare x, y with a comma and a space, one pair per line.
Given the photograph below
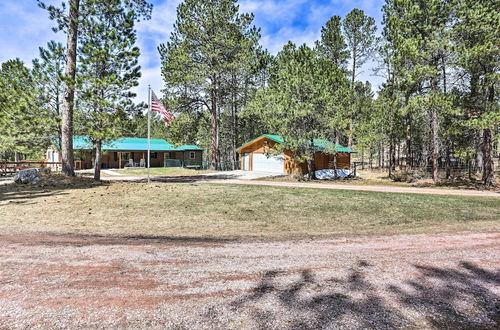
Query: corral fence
9, 168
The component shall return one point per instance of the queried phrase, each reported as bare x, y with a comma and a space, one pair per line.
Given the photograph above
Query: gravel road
419, 281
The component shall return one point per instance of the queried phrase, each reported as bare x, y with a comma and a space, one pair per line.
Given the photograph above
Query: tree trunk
448, 160
479, 161
382, 159
409, 162
391, 151
488, 166
214, 127
69, 91
434, 144
234, 130
350, 139
311, 166
379, 157
362, 160
97, 162
17, 156
393, 158
353, 79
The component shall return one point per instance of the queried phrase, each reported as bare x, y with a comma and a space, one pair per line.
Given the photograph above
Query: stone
29, 175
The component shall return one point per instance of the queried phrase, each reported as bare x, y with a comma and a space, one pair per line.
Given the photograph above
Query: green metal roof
132, 144
319, 144
189, 147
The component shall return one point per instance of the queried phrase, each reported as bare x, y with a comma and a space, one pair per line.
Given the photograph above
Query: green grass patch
224, 210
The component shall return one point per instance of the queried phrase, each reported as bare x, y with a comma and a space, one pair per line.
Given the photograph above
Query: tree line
437, 107
83, 87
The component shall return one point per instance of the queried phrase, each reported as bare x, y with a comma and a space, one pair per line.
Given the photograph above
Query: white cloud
23, 28
150, 34
300, 21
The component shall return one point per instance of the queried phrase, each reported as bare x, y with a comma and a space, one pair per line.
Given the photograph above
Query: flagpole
149, 129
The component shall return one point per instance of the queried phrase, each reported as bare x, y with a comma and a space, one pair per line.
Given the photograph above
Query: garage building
255, 156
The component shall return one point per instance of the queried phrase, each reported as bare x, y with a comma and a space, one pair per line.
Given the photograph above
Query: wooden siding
85, 157
321, 160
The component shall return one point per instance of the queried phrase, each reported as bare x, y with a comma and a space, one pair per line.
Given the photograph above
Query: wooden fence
7, 167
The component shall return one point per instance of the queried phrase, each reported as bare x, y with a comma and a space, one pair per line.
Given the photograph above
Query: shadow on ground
50, 185
443, 298
176, 179
78, 240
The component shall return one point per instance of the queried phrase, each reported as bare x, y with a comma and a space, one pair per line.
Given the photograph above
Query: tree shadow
79, 240
50, 185
180, 178
458, 298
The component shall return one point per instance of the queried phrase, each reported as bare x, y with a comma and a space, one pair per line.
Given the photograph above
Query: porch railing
202, 165
7, 167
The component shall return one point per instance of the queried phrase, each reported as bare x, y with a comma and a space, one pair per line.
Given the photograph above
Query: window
192, 155
154, 155
116, 156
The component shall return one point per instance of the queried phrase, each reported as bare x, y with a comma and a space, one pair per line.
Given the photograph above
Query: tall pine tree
109, 68
199, 61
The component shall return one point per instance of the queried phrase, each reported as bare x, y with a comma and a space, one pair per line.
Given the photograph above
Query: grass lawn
166, 171
224, 210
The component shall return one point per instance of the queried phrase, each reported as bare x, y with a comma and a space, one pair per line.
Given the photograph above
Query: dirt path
406, 190
419, 281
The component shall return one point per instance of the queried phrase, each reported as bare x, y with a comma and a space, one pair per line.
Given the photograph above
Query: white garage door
274, 164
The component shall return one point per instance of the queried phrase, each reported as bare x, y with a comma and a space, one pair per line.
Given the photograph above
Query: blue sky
24, 27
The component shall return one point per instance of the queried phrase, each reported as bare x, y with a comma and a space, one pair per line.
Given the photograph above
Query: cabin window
154, 155
192, 155
115, 157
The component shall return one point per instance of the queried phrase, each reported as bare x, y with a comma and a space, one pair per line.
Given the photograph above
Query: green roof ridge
132, 144
319, 143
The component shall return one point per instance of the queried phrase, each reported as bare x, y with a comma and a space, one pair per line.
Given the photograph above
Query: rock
29, 175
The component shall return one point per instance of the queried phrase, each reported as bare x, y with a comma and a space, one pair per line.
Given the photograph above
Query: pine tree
199, 61
70, 24
23, 124
359, 31
476, 36
300, 100
109, 68
417, 31
48, 74
332, 45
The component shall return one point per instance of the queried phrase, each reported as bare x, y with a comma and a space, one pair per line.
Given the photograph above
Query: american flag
157, 106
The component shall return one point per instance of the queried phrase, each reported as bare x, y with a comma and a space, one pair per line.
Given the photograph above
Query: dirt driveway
420, 281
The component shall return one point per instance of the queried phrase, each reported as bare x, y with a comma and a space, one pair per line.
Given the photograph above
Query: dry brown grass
223, 210
381, 178
166, 171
